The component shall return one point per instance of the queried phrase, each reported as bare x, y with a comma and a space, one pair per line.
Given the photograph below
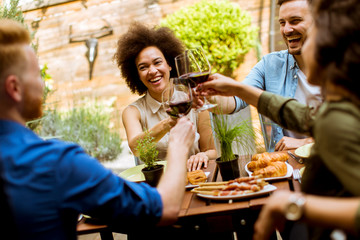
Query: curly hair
337, 42
280, 2
134, 41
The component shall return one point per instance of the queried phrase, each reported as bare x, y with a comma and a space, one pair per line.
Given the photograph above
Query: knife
298, 159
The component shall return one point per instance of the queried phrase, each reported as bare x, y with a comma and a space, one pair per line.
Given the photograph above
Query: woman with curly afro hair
145, 57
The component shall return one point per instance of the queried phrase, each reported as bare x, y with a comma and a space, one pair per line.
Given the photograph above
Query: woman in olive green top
332, 60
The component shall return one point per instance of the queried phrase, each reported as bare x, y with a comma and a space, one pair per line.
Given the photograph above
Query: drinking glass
177, 98
194, 65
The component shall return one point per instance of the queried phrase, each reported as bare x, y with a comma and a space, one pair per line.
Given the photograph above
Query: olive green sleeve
357, 222
287, 112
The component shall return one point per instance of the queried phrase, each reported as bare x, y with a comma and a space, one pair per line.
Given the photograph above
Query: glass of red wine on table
177, 98
194, 65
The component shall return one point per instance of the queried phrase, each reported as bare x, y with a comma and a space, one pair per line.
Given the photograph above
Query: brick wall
67, 62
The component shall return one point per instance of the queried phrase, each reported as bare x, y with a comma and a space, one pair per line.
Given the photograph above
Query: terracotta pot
229, 170
152, 177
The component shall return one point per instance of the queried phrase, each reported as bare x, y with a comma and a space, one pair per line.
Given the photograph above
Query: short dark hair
337, 42
280, 2
134, 41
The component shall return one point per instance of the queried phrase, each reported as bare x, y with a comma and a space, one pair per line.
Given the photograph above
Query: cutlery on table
298, 159
296, 175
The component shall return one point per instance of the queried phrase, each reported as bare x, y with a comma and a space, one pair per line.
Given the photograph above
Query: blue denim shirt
276, 73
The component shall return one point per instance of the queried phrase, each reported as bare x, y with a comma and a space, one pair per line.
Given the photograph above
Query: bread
255, 165
273, 156
274, 169
196, 177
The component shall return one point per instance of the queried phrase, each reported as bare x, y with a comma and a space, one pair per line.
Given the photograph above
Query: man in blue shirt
283, 72
48, 183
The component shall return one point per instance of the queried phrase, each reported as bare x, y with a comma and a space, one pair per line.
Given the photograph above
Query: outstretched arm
206, 144
329, 212
172, 184
224, 86
134, 131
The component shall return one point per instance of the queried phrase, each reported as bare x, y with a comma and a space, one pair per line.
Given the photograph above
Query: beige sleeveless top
151, 112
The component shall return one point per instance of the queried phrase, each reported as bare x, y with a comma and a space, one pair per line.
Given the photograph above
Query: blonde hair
13, 38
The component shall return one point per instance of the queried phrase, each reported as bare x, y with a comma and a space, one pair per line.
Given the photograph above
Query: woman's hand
196, 161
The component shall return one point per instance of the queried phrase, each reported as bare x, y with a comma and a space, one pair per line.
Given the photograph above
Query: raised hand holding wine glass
194, 65
177, 98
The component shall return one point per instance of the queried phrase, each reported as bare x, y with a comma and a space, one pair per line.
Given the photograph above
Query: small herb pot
229, 170
152, 176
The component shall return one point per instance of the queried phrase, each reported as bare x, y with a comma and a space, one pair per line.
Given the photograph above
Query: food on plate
255, 165
273, 156
239, 186
262, 160
196, 177
274, 169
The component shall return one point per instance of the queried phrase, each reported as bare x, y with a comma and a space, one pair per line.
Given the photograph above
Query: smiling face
153, 70
294, 19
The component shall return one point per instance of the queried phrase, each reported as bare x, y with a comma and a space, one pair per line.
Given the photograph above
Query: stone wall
67, 63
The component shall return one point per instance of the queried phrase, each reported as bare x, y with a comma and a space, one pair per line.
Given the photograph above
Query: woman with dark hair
145, 57
332, 59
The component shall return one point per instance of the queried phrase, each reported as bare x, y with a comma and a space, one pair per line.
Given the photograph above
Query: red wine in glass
199, 77
178, 109
177, 98
193, 65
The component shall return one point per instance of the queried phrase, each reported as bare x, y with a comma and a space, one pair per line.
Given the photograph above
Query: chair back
268, 131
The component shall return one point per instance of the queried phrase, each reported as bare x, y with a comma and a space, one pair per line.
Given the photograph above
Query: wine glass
194, 65
177, 98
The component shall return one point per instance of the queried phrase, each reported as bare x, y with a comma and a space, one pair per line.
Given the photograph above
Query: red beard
32, 108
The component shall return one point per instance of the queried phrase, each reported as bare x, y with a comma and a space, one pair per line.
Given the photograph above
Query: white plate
304, 151
288, 173
134, 174
267, 189
189, 186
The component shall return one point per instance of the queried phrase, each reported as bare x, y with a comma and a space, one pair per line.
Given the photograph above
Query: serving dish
288, 173
267, 189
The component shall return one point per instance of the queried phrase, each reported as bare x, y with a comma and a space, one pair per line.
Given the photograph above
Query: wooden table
210, 219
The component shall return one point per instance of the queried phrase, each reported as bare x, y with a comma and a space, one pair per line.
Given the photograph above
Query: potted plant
229, 134
148, 153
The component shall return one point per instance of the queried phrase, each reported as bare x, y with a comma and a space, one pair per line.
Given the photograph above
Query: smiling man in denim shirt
283, 72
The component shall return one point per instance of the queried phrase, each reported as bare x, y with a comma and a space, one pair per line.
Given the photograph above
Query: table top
193, 205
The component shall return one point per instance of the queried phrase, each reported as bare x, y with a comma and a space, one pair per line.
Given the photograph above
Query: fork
296, 175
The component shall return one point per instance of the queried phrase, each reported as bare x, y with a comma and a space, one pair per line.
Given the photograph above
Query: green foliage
147, 150
88, 126
220, 27
12, 12
227, 134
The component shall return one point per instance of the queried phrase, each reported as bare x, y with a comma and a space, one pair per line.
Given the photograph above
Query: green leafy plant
228, 134
88, 126
147, 150
222, 28
12, 11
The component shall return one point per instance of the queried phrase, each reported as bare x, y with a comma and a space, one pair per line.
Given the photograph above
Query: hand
196, 161
287, 143
218, 84
271, 216
198, 101
182, 134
